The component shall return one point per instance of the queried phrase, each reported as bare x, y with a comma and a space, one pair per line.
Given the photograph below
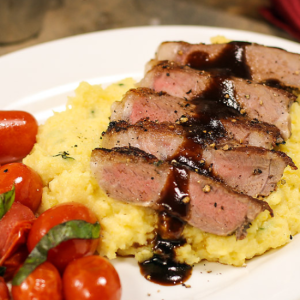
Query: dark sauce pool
164, 270
162, 267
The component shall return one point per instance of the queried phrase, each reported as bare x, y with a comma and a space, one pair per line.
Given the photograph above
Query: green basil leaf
6, 201
75, 229
2, 271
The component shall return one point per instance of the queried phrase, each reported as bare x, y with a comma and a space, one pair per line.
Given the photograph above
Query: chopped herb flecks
64, 155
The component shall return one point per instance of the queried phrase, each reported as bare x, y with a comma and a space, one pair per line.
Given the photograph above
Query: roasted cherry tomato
28, 184
43, 283
18, 131
13, 263
14, 229
67, 251
91, 277
4, 294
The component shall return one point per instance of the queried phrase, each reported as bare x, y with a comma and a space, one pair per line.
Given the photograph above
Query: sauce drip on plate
162, 268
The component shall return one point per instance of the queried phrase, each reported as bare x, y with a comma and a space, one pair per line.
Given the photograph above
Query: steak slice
133, 176
240, 59
250, 170
257, 101
144, 103
159, 139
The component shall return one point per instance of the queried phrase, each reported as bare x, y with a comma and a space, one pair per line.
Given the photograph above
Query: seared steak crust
144, 103
252, 61
257, 101
126, 174
250, 170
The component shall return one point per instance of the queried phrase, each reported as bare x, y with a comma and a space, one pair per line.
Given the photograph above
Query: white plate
39, 78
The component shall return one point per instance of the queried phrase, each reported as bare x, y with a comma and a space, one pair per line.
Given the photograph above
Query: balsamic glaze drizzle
214, 104
232, 60
162, 268
165, 271
175, 192
221, 89
275, 83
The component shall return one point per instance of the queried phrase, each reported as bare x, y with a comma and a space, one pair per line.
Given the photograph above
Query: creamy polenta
62, 157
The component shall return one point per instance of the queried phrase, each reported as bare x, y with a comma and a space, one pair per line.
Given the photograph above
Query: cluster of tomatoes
71, 270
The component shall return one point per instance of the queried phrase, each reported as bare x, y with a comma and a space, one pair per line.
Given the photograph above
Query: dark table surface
73, 17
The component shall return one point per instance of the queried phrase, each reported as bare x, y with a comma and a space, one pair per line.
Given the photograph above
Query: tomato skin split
18, 130
13, 262
14, 229
69, 250
28, 184
91, 278
43, 283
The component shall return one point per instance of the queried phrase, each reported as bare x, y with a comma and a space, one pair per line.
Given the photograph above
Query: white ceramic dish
38, 80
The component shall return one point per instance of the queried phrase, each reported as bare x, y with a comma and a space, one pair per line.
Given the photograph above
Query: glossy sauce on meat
232, 60
215, 103
174, 201
220, 90
162, 268
205, 128
175, 191
275, 83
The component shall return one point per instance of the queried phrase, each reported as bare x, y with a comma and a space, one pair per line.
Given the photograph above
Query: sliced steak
240, 59
144, 103
159, 139
257, 101
250, 170
131, 175
252, 133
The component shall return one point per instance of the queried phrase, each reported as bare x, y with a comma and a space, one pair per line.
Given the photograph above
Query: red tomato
4, 294
13, 263
18, 131
28, 184
67, 251
93, 278
43, 283
14, 228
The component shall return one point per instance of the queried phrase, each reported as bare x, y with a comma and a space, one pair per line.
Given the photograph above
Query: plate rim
59, 42
144, 28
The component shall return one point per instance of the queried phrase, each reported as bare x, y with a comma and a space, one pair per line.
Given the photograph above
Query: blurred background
55, 19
